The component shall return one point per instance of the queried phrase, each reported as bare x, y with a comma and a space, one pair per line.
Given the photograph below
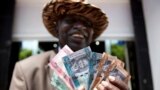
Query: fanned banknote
104, 67
77, 66
64, 80
110, 66
58, 83
119, 62
84, 67
115, 64
93, 63
58, 58
120, 73
99, 70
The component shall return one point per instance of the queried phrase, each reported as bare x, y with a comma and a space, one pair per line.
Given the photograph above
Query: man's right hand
112, 83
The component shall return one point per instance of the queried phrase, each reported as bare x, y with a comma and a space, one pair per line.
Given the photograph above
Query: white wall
28, 21
152, 18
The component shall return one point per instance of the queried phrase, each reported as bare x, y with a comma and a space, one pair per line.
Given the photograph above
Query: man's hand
112, 84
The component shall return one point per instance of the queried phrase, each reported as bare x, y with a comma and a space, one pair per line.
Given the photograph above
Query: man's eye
69, 21
88, 24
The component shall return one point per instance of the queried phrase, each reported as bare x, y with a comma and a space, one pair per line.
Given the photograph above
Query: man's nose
79, 25
81, 28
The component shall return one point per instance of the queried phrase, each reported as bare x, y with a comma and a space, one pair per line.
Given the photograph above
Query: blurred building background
133, 32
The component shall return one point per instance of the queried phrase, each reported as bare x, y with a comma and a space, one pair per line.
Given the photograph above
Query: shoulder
31, 70
36, 61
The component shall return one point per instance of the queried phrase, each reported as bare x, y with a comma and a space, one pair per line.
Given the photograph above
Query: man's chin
76, 47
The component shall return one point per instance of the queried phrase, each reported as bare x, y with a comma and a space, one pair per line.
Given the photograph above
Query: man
74, 23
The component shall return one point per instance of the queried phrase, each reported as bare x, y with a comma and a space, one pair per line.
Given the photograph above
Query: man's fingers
112, 83
101, 87
118, 83
109, 86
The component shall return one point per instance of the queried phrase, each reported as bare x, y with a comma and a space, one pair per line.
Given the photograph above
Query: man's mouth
78, 36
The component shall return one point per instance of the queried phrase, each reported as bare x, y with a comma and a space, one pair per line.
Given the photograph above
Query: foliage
119, 51
24, 53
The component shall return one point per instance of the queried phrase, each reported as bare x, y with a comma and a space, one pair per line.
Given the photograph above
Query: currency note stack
84, 67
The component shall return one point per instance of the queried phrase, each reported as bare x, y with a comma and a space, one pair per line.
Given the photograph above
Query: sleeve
18, 81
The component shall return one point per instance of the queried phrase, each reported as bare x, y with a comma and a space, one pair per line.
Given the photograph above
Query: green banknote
58, 83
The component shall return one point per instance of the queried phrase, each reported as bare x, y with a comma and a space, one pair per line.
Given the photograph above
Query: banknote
119, 62
115, 69
93, 64
58, 58
77, 66
109, 63
65, 80
58, 83
84, 67
103, 69
97, 77
120, 73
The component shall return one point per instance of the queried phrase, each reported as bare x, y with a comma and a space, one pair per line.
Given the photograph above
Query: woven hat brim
53, 11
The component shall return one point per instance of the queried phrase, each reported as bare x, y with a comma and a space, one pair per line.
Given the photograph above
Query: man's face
75, 31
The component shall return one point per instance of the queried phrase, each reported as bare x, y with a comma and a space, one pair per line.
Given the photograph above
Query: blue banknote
93, 63
77, 66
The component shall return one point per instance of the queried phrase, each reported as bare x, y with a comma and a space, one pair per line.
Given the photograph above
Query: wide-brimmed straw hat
55, 9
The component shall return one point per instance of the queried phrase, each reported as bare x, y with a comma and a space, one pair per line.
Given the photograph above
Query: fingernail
111, 78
